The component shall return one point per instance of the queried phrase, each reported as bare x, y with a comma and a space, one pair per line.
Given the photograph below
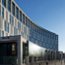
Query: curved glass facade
41, 53
13, 21
42, 36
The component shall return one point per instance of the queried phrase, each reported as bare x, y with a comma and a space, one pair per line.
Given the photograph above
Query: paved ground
48, 63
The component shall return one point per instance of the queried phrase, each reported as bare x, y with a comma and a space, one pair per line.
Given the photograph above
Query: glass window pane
13, 8
11, 20
24, 19
4, 2
6, 26
9, 5
15, 31
2, 12
2, 33
19, 25
17, 12
20, 16
6, 15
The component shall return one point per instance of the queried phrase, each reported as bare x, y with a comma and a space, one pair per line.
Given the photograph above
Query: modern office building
16, 50
24, 42
13, 21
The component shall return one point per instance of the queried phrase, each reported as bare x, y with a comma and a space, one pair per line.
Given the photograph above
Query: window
20, 16
19, 25
14, 49
7, 49
11, 20
2, 33
25, 50
4, 2
15, 31
6, 54
24, 19
13, 8
9, 5
6, 26
6, 15
28, 24
2, 12
17, 12
30, 59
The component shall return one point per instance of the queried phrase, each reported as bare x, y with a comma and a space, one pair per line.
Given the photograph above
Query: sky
49, 14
